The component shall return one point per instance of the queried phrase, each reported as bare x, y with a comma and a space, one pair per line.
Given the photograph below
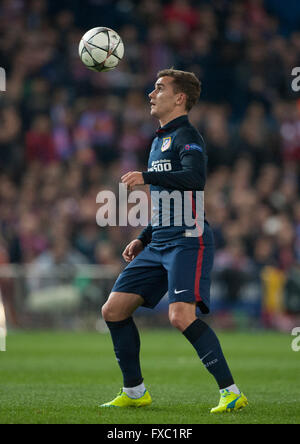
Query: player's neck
165, 120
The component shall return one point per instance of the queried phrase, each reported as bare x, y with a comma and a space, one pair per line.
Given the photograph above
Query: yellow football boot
123, 400
230, 402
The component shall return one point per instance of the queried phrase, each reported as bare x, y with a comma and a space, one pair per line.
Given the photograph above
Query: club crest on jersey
166, 143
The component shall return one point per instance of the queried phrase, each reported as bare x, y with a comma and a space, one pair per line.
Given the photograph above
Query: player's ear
181, 97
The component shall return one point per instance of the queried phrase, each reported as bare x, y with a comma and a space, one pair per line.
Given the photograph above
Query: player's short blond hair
186, 82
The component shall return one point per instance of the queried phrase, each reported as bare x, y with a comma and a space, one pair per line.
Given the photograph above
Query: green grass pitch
60, 377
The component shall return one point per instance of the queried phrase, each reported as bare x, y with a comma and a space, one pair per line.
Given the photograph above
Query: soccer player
169, 257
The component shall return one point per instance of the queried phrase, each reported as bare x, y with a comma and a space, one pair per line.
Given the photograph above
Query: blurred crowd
67, 133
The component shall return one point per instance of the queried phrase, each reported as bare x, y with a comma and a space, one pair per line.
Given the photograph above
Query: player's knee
176, 320
104, 311
181, 316
108, 312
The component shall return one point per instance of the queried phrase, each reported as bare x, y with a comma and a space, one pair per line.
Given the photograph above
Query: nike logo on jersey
179, 291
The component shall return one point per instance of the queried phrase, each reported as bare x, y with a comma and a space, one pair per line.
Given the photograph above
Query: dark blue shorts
183, 269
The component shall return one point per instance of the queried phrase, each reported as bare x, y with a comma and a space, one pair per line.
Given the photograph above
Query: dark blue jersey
177, 166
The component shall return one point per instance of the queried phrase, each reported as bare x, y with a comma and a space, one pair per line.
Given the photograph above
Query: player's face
163, 99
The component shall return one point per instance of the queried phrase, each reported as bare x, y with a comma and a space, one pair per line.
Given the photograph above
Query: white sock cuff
232, 388
135, 392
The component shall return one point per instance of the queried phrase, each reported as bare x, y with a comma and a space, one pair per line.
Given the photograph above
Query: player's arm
193, 173
146, 235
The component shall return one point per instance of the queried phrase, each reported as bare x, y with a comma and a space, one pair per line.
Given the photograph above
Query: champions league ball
101, 49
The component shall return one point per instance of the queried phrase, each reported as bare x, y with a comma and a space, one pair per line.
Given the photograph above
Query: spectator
10, 127
39, 141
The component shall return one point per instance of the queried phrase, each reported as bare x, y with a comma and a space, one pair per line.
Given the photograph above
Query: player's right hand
132, 250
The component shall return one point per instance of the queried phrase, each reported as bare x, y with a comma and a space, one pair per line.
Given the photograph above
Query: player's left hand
133, 178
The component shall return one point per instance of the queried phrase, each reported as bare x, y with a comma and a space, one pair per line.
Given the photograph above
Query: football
101, 49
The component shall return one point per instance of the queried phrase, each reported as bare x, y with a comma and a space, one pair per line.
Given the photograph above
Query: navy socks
126, 340
207, 345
